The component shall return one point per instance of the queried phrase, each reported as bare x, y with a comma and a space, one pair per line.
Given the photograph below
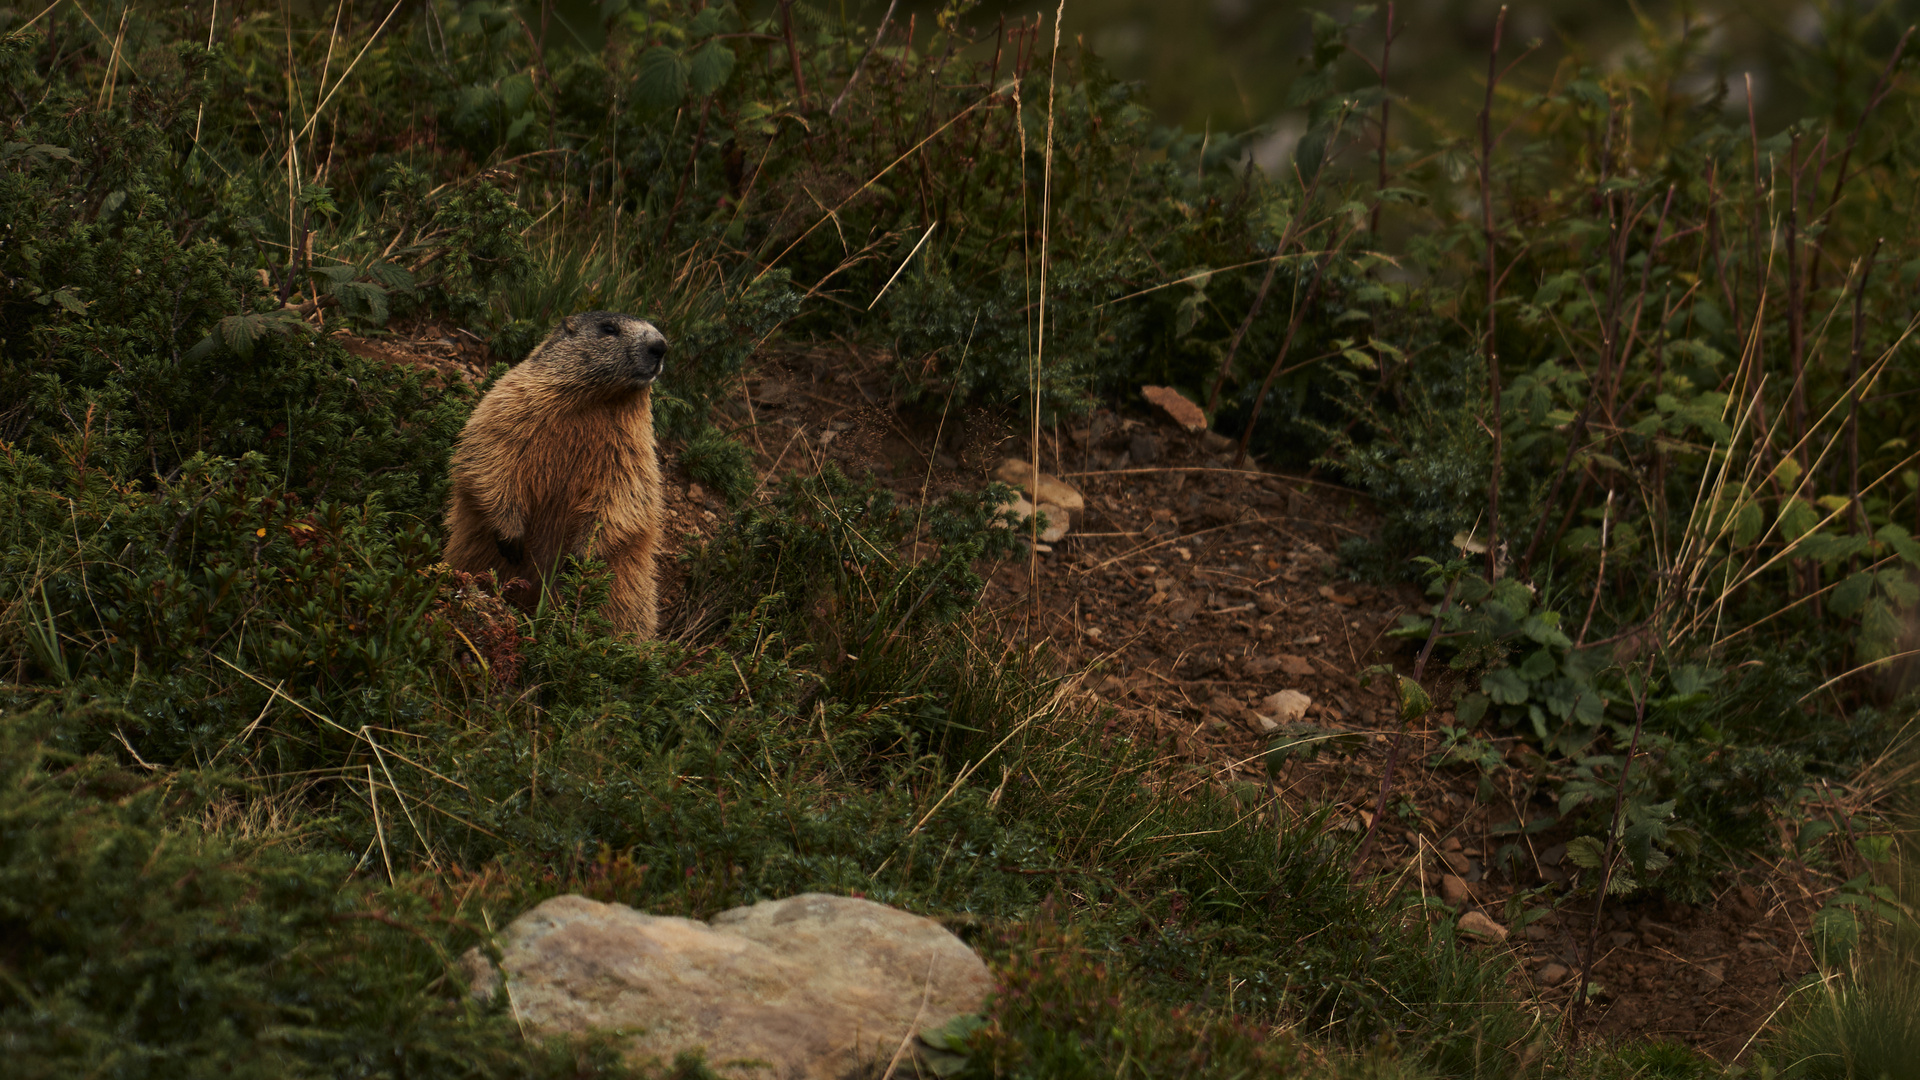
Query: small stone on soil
1286, 707
1473, 922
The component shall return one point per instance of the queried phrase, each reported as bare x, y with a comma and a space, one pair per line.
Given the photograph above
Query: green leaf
1414, 702
1797, 519
1505, 686
710, 67
1851, 594
1901, 542
1538, 665
660, 81
1470, 709
1586, 852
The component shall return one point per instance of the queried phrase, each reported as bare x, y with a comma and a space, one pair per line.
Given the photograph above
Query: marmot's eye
610, 329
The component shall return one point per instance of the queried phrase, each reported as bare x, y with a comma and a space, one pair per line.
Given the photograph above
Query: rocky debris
812, 987
1143, 448
1176, 407
1477, 924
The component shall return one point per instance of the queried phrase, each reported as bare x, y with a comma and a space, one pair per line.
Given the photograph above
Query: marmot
558, 460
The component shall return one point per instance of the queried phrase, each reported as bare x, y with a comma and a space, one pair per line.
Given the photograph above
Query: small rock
1019, 474
696, 493
1458, 861
1183, 610
1477, 924
1552, 975
1553, 855
1216, 442
1453, 890
1327, 592
1295, 665
1622, 939
1713, 973
1286, 707
1257, 666
1164, 525
1536, 932
1451, 843
1143, 448
1269, 603
1177, 408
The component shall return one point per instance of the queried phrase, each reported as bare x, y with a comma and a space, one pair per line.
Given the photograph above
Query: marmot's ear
567, 324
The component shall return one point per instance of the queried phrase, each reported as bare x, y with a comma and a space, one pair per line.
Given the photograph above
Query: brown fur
558, 460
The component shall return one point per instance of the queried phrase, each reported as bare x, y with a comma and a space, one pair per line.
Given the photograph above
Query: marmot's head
603, 350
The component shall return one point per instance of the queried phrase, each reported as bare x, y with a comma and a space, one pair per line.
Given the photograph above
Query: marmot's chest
581, 478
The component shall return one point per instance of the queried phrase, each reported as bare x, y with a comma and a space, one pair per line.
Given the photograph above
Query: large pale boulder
812, 987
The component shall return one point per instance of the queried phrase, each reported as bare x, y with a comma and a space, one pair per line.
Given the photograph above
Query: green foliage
1060, 1012
1855, 1018
721, 463
239, 689
145, 945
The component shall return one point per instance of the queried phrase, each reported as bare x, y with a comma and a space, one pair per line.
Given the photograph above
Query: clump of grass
1859, 1016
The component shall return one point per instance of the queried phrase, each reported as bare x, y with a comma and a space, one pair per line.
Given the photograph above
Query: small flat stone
1286, 707
1552, 975
1453, 889
1177, 408
1477, 924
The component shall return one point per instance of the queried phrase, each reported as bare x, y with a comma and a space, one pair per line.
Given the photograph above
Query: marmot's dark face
607, 349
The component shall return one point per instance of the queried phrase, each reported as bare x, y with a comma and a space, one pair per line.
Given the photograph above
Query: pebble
1285, 707
1552, 975
1453, 890
1473, 922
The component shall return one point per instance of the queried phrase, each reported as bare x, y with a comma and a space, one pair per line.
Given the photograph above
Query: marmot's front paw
511, 550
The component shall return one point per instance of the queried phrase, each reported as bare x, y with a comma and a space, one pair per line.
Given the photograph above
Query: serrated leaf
660, 79
1797, 519
710, 67
1851, 594
1586, 852
1900, 541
